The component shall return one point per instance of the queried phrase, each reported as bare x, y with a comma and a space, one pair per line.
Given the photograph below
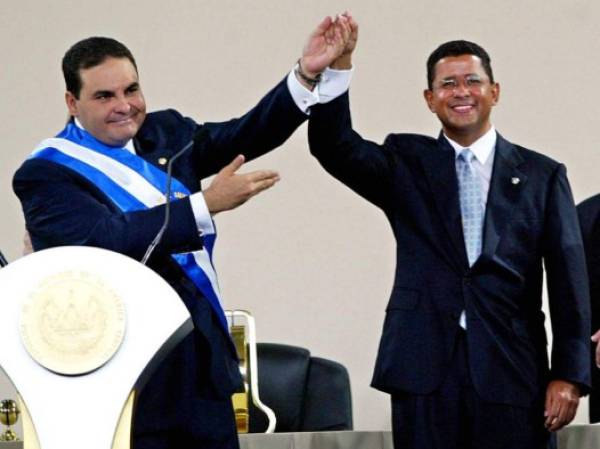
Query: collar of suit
482, 148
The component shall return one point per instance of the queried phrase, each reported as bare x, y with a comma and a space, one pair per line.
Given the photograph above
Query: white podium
82, 411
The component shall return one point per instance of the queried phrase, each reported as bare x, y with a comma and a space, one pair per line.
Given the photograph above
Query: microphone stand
199, 137
160, 233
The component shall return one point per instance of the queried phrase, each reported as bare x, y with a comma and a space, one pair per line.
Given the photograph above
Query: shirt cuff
303, 97
333, 84
201, 214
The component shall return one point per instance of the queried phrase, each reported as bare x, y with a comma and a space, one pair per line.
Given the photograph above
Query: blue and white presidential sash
134, 184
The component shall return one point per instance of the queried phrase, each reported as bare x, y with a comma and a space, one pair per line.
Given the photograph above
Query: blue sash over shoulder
132, 184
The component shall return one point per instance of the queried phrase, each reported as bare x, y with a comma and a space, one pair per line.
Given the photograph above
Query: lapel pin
162, 160
515, 181
179, 195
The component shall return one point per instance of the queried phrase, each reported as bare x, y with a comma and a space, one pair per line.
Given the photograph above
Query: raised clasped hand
344, 61
325, 44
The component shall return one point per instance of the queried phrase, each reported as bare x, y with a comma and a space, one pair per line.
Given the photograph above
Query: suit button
466, 280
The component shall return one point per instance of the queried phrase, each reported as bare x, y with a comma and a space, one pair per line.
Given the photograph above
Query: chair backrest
306, 393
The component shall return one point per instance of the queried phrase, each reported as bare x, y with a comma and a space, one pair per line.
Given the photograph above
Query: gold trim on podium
122, 438
244, 338
240, 399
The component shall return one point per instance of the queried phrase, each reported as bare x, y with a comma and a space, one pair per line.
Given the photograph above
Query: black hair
458, 48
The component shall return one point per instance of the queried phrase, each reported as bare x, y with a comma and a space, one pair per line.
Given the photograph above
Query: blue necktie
471, 207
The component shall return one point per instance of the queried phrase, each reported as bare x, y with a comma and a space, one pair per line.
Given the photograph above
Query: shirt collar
482, 148
128, 146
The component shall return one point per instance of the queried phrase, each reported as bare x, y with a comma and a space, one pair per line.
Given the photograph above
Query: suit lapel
506, 185
440, 169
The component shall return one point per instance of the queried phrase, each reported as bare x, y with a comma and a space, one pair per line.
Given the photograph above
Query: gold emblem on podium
72, 323
9, 415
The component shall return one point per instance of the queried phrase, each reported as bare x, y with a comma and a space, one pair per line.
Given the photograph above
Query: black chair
306, 393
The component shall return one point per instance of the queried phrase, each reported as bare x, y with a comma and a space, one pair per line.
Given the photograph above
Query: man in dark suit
463, 350
589, 220
101, 182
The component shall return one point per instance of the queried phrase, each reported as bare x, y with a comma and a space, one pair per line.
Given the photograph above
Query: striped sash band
133, 184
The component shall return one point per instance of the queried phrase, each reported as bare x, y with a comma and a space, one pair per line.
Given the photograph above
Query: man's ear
71, 104
428, 95
496, 93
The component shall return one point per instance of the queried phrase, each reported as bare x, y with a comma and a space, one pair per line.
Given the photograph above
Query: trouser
181, 406
454, 417
594, 403
215, 429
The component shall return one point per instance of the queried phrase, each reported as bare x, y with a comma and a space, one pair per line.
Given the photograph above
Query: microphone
3, 261
199, 137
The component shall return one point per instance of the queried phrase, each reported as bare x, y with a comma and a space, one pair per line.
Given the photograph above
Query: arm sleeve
61, 208
201, 214
263, 128
332, 85
362, 165
568, 291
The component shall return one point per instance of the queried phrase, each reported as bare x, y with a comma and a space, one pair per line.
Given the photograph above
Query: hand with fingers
229, 189
562, 399
324, 45
344, 61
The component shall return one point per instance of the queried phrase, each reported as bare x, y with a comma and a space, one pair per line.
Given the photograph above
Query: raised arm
362, 165
277, 115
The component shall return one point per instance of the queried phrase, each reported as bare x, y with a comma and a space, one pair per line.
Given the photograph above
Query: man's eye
448, 84
473, 81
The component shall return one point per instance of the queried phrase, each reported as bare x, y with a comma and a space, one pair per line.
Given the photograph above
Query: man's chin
119, 140
463, 126
125, 134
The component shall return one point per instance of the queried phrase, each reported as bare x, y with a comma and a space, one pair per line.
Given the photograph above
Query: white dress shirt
333, 84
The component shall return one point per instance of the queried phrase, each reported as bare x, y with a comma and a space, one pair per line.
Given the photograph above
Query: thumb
596, 336
548, 402
234, 165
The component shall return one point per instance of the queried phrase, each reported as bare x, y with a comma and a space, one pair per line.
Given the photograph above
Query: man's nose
122, 105
462, 90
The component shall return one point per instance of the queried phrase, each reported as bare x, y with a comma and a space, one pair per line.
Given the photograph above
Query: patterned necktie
469, 188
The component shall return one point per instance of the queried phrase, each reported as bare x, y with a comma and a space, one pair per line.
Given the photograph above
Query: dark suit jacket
589, 220
62, 208
530, 218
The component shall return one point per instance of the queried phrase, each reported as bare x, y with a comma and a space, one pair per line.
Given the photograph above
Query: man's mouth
462, 108
122, 121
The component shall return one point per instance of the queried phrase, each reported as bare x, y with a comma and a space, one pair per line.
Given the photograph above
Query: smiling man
109, 101
463, 350
101, 182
